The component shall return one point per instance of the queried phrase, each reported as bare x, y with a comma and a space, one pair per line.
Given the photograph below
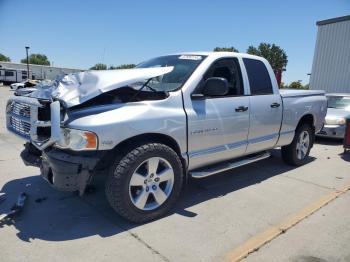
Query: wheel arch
310, 120
123, 147
149, 138
307, 119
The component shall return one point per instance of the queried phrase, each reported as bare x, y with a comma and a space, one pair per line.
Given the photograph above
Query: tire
123, 186
295, 155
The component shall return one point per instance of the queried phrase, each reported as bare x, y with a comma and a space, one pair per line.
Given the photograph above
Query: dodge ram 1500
154, 126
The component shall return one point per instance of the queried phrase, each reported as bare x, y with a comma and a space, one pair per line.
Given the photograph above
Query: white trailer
38, 72
11, 75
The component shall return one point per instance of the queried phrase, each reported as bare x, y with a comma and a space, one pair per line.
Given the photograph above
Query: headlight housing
335, 121
77, 140
341, 121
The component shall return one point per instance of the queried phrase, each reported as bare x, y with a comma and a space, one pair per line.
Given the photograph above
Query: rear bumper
332, 131
64, 170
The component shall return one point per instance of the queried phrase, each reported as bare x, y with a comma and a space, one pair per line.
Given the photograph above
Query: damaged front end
64, 170
39, 123
38, 117
67, 157
67, 171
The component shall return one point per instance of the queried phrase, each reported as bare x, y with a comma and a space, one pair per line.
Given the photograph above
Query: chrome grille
20, 127
32, 120
20, 109
19, 118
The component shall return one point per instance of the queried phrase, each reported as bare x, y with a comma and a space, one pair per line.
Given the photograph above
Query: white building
331, 64
17, 72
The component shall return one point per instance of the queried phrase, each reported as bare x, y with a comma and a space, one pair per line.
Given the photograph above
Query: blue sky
78, 34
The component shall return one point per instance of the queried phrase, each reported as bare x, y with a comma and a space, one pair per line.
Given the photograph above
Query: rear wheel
298, 151
145, 184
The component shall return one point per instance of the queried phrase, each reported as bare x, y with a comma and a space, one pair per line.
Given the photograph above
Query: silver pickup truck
174, 117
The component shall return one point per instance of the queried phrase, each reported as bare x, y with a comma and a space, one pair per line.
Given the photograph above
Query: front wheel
145, 184
297, 152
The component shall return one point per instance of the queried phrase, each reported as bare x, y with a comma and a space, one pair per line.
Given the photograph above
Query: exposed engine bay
122, 95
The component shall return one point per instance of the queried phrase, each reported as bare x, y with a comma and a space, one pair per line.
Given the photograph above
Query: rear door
265, 107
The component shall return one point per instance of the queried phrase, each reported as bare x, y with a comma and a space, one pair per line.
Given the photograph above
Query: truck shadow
57, 216
345, 156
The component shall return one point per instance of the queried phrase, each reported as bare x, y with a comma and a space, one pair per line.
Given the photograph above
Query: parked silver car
337, 113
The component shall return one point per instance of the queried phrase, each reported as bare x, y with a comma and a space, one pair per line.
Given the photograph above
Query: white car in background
27, 83
15, 86
30, 87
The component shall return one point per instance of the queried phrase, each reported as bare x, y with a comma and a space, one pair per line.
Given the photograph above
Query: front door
218, 126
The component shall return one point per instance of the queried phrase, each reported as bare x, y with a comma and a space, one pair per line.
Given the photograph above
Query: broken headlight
77, 140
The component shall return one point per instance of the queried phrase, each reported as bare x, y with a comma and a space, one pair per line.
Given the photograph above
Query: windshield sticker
191, 57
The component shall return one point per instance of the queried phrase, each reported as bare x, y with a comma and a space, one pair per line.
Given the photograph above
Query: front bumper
64, 170
332, 131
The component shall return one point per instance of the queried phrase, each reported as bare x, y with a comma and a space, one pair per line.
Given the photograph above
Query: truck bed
294, 92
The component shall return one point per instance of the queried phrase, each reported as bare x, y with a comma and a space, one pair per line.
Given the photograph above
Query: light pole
27, 47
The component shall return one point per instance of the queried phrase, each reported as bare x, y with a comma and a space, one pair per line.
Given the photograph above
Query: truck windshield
184, 65
339, 102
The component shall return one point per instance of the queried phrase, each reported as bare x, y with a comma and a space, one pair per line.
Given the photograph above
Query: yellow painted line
259, 240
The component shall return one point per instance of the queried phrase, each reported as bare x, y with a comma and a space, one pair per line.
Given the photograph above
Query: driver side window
229, 69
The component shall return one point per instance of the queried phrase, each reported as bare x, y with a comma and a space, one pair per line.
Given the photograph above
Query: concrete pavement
322, 237
214, 216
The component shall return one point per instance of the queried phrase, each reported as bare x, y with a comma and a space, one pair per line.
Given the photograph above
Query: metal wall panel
331, 64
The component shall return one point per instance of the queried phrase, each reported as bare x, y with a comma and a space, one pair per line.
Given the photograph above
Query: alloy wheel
303, 144
151, 183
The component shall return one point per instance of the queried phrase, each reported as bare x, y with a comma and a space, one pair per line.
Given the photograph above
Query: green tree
123, 66
37, 59
225, 49
276, 56
99, 66
4, 58
283, 85
296, 85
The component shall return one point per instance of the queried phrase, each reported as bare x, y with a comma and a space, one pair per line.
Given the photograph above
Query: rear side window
259, 78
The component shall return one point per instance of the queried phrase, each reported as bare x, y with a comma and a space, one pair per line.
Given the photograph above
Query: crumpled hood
77, 88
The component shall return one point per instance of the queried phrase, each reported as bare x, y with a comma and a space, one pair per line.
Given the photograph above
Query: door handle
241, 109
275, 105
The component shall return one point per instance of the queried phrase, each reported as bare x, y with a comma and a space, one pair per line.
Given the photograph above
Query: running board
213, 170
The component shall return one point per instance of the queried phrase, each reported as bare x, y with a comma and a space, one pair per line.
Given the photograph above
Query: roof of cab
220, 54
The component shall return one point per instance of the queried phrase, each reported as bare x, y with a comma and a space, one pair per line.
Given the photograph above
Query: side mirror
215, 86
